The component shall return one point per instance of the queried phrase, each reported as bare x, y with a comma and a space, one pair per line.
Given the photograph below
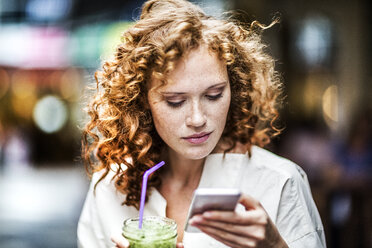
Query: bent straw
143, 192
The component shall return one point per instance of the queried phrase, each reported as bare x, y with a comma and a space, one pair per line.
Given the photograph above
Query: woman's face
190, 111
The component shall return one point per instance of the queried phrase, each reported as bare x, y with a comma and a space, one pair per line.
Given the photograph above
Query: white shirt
280, 186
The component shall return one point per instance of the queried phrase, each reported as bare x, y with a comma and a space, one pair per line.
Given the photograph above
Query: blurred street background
50, 49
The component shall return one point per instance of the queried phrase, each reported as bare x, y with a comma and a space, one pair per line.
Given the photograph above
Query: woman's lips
198, 138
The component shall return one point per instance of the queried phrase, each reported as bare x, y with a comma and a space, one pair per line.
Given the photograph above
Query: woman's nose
196, 117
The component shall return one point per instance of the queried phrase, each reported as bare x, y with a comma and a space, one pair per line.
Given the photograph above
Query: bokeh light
315, 39
4, 82
70, 83
50, 114
48, 10
330, 105
111, 38
23, 93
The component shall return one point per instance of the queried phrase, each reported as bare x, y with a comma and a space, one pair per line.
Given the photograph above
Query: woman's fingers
250, 228
230, 239
249, 202
229, 244
236, 218
254, 213
236, 229
180, 245
120, 241
254, 231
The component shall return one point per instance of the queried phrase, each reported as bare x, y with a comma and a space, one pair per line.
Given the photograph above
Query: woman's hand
121, 242
252, 228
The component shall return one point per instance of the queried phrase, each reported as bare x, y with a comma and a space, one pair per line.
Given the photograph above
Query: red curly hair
121, 129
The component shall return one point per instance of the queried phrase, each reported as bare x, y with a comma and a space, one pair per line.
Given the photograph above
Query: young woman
202, 95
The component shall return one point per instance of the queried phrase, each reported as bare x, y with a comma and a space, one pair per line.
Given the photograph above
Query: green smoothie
156, 232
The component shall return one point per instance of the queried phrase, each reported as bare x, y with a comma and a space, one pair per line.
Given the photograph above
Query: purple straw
143, 192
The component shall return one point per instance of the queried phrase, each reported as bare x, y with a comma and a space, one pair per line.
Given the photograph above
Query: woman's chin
196, 153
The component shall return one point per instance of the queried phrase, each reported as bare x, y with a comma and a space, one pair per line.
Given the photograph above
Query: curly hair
121, 129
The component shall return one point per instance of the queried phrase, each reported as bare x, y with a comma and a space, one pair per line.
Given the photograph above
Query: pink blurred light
48, 48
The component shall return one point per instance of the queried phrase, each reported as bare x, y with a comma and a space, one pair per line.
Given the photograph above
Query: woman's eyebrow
165, 93
217, 85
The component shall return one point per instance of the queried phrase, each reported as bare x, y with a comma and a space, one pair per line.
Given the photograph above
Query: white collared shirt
280, 186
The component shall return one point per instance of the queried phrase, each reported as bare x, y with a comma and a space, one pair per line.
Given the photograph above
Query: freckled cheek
219, 113
167, 123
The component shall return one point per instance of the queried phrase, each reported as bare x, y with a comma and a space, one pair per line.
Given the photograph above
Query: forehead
198, 70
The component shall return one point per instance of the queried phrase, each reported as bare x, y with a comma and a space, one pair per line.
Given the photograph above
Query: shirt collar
219, 172
223, 171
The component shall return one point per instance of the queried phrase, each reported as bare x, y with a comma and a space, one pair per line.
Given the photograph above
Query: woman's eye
175, 104
214, 97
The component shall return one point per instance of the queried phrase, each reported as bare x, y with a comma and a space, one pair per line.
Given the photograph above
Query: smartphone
204, 199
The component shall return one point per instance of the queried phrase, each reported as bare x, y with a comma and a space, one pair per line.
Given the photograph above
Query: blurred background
50, 49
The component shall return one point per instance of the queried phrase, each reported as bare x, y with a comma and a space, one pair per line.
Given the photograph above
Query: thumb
180, 245
249, 202
120, 241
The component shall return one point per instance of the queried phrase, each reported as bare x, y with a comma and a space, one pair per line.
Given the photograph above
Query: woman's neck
181, 171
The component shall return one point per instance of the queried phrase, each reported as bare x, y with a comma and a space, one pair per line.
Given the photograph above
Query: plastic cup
156, 232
